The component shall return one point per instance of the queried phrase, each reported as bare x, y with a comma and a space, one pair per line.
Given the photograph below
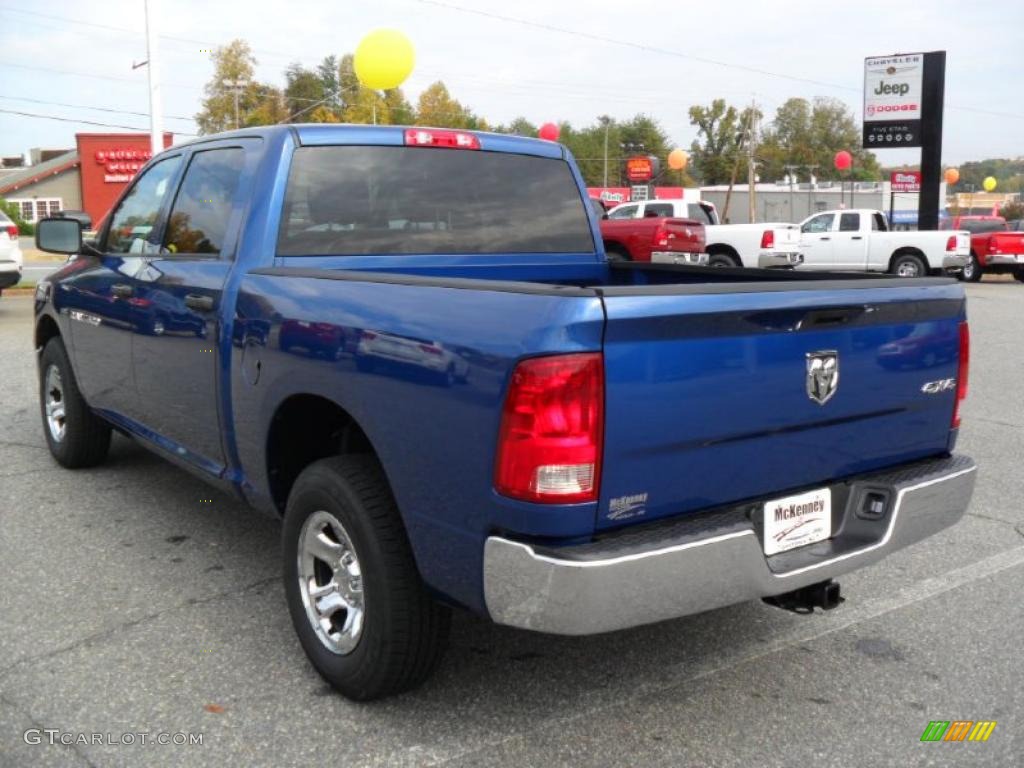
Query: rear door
849, 245
178, 296
710, 397
816, 241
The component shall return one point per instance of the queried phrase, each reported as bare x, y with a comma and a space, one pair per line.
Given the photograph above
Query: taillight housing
962, 372
768, 239
662, 235
951, 243
430, 137
552, 430
12, 231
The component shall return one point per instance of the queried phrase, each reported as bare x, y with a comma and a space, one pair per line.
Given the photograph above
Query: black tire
722, 260
1019, 275
404, 630
906, 262
85, 440
616, 253
971, 273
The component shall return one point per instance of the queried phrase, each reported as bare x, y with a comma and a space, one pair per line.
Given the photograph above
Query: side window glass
132, 223
878, 223
658, 209
200, 214
822, 223
626, 212
849, 222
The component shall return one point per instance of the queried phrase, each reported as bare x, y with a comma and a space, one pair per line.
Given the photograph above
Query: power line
80, 121
95, 109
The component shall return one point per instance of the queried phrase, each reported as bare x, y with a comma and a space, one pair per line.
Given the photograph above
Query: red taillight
550, 442
951, 243
768, 239
12, 231
662, 235
430, 349
421, 137
962, 370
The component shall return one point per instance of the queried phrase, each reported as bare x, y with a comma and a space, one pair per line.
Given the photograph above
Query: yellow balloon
989, 183
677, 159
384, 59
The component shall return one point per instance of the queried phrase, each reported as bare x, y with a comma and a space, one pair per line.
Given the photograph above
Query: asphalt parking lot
128, 605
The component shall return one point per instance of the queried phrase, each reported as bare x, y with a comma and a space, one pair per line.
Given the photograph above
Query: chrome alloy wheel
908, 269
331, 582
56, 416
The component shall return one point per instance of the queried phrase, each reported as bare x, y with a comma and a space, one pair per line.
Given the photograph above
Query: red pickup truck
652, 239
994, 247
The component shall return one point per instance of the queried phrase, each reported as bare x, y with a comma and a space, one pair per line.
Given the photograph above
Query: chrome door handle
122, 290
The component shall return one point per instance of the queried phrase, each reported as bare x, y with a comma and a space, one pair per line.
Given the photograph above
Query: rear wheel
76, 436
972, 270
359, 607
616, 253
908, 265
722, 260
1019, 275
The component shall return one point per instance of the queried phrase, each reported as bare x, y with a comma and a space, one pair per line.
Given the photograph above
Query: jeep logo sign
900, 89
892, 100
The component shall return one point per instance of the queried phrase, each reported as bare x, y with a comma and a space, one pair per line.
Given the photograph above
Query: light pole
236, 86
605, 121
156, 130
791, 175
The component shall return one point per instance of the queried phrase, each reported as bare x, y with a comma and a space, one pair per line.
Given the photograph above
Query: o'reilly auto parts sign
892, 100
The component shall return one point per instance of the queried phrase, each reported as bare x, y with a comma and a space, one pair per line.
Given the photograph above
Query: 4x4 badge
822, 375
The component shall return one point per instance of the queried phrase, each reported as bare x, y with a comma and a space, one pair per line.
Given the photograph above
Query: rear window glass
415, 200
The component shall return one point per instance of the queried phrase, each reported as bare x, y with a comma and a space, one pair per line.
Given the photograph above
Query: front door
98, 300
816, 241
176, 354
850, 248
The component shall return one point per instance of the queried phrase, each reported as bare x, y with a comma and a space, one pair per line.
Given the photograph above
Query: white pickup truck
728, 245
10, 253
860, 240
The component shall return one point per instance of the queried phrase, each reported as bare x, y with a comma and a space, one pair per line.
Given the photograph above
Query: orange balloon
952, 176
677, 159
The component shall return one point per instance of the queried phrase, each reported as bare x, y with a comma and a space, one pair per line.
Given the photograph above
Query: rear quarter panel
436, 437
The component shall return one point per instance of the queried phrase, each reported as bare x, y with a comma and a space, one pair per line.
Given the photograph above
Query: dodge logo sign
822, 375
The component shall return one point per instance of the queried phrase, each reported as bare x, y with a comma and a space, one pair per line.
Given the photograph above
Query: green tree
722, 132
437, 108
809, 134
233, 63
303, 92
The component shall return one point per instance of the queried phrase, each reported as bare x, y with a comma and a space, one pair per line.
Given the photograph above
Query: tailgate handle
818, 318
198, 302
856, 237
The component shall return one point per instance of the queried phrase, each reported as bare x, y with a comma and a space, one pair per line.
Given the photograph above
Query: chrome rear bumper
679, 568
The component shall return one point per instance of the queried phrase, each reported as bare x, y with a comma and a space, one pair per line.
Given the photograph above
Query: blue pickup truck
408, 344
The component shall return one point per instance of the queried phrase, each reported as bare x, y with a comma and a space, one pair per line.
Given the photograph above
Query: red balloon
843, 160
548, 132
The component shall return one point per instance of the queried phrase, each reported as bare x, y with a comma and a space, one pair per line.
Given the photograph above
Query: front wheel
908, 265
1019, 275
971, 272
359, 607
76, 436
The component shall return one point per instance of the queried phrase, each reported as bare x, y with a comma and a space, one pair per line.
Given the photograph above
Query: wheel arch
909, 250
304, 428
46, 329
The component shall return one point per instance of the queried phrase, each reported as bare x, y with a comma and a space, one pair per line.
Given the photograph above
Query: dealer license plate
795, 521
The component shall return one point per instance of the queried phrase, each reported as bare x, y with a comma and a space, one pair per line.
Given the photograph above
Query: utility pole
811, 182
236, 86
156, 118
751, 162
606, 121
791, 175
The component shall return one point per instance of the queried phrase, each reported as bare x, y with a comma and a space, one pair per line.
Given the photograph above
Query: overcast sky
502, 69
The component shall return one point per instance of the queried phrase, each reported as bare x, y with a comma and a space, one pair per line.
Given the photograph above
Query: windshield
358, 200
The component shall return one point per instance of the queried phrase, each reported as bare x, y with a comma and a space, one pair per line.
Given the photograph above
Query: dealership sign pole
903, 105
156, 129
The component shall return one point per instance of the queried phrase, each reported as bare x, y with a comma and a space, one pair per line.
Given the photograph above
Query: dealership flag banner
892, 100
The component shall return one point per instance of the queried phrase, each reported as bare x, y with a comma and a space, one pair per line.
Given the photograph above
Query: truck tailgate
708, 399
787, 238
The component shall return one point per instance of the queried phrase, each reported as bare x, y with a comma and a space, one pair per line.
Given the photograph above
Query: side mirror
56, 235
